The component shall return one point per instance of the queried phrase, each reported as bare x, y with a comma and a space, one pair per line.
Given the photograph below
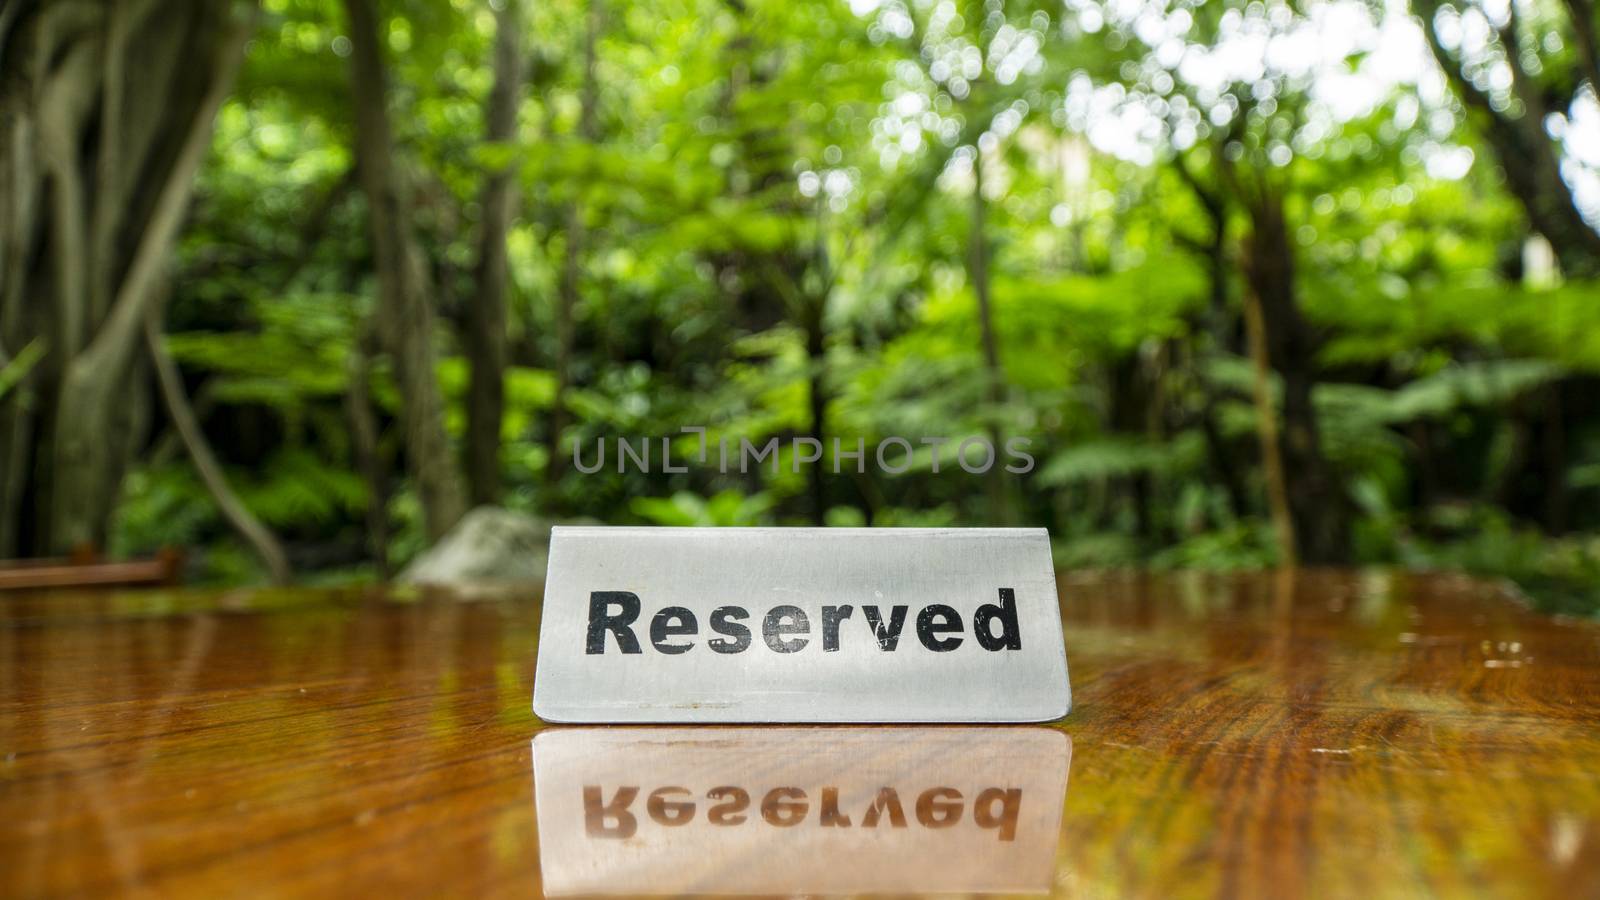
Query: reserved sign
630, 811
800, 625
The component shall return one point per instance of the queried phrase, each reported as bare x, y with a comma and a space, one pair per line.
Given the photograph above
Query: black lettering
1005, 613
721, 623
784, 806
831, 817
996, 809
888, 638
595, 813
1006, 820
671, 813
734, 800
939, 807
831, 617
888, 800
774, 629
601, 620
671, 622
928, 630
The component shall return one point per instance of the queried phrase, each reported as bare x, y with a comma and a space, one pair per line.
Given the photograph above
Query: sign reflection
798, 810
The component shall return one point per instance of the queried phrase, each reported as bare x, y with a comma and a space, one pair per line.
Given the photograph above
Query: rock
489, 545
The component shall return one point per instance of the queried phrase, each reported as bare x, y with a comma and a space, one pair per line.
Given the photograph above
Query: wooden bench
86, 569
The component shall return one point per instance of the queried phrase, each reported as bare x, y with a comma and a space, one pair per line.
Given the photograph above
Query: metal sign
788, 811
800, 625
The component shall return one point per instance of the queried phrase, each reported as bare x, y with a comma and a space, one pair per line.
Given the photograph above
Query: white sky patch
1580, 138
1348, 57
1348, 62
1446, 162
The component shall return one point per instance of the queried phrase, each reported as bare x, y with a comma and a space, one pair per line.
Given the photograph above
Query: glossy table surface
1319, 734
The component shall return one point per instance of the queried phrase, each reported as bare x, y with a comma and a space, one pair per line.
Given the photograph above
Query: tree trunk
1213, 249
16, 445
994, 375
369, 459
1316, 506
1555, 463
816, 356
1217, 324
1133, 401
1427, 491
1503, 484
107, 114
572, 261
1267, 429
486, 332
405, 308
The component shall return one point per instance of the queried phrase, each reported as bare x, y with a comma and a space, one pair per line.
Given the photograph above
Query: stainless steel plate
800, 625
794, 811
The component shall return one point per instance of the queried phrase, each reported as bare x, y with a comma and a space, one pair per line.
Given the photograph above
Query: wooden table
1328, 734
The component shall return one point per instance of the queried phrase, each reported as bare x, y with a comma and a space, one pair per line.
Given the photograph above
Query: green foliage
162, 506
1489, 383
1120, 457
726, 508
779, 197
1561, 575
294, 487
1241, 545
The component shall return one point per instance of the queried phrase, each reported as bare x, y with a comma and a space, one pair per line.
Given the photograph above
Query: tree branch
110, 171
1511, 45
1582, 13
1469, 93
255, 534
9, 14
64, 106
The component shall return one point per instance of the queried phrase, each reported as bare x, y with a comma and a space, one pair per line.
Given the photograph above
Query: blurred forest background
294, 285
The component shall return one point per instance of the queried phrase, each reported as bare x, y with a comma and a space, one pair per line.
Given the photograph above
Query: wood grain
1322, 734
